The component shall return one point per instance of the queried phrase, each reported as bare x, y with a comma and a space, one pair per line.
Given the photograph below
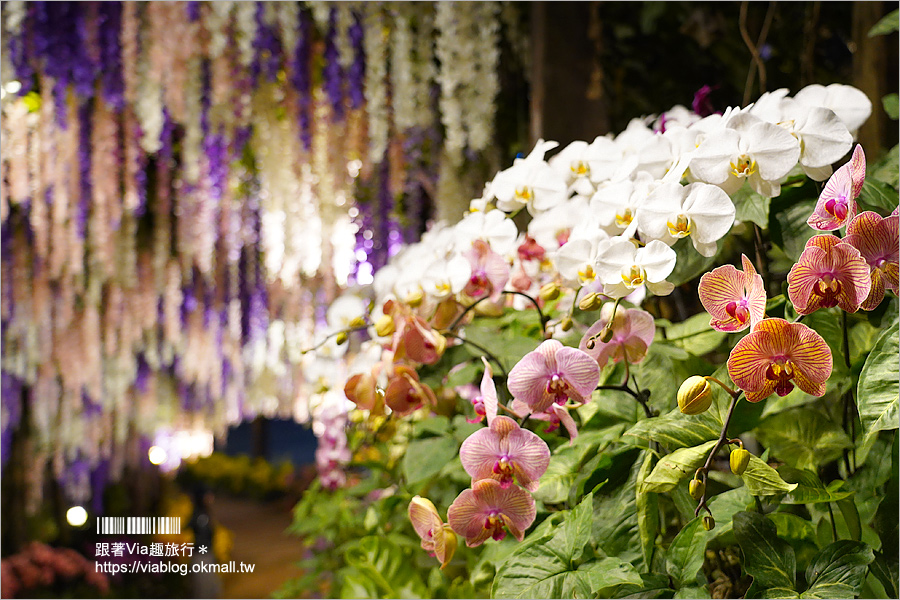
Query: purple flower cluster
267, 47
301, 77
357, 71
332, 73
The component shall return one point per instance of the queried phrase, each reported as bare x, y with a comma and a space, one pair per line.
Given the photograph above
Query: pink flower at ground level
504, 451
775, 356
837, 203
876, 239
553, 373
632, 333
734, 299
828, 273
485, 510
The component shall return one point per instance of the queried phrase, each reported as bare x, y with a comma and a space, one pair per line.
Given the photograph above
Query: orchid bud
697, 488
384, 326
709, 523
341, 338
694, 395
549, 291
566, 324
606, 335
358, 323
592, 301
739, 460
415, 298
450, 543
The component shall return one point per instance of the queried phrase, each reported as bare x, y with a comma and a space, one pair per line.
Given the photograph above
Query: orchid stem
487, 352
536, 306
470, 307
723, 438
331, 335
849, 420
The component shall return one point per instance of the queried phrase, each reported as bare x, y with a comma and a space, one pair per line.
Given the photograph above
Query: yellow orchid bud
709, 523
606, 335
697, 488
739, 460
450, 543
566, 324
549, 291
592, 301
694, 395
341, 338
415, 298
384, 326
358, 323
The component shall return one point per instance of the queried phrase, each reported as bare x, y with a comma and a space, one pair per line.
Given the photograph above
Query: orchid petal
774, 149
711, 161
825, 138
657, 260
489, 392
710, 210
579, 370
479, 452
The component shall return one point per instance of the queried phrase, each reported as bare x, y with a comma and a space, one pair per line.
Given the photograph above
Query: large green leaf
888, 168
727, 504
684, 558
788, 228
878, 195
802, 437
615, 518
769, 559
551, 566
751, 207
376, 564
877, 394
568, 459
763, 480
810, 489
886, 572
838, 571
695, 335
891, 104
676, 430
647, 505
674, 467
425, 458
690, 264
886, 25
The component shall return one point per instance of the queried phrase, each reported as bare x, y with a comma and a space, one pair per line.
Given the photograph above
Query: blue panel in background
285, 440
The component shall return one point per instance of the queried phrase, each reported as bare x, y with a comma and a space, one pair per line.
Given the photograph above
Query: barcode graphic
138, 525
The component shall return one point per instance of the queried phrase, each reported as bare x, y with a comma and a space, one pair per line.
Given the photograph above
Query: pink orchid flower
775, 356
490, 272
837, 203
437, 538
485, 510
504, 451
876, 239
485, 401
632, 333
735, 299
553, 373
556, 415
828, 273
405, 393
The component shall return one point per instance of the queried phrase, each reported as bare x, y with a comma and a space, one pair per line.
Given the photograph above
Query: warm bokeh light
76, 516
157, 455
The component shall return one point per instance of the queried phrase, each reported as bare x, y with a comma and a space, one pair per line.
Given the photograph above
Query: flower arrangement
589, 427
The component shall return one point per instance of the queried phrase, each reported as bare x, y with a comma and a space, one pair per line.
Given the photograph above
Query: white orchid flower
530, 183
552, 229
575, 259
700, 211
623, 268
571, 163
607, 162
493, 226
824, 139
851, 105
445, 278
747, 148
616, 205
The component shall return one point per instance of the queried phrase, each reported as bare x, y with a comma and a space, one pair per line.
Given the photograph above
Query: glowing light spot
157, 455
76, 516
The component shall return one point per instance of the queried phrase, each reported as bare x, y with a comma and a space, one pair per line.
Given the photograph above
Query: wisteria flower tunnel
449, 299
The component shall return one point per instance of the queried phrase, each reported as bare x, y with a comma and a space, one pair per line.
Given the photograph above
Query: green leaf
886, 572
788, 228
810, 489
692, 591
751, 207
877, 394
779, 593
685, 555
690, 264
878, 195
547, 567
425, 458
851, 516
695, 335
676, 430
891, 104
838, 571
769, 559
379, 562
674, 467
802, 437
886, 25
887, 169
653, 585
792, 527
763, 480
615, 518
438, 425
567, 460
726, 505
647, 505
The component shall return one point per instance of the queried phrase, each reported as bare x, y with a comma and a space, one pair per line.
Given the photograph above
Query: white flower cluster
607, 213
